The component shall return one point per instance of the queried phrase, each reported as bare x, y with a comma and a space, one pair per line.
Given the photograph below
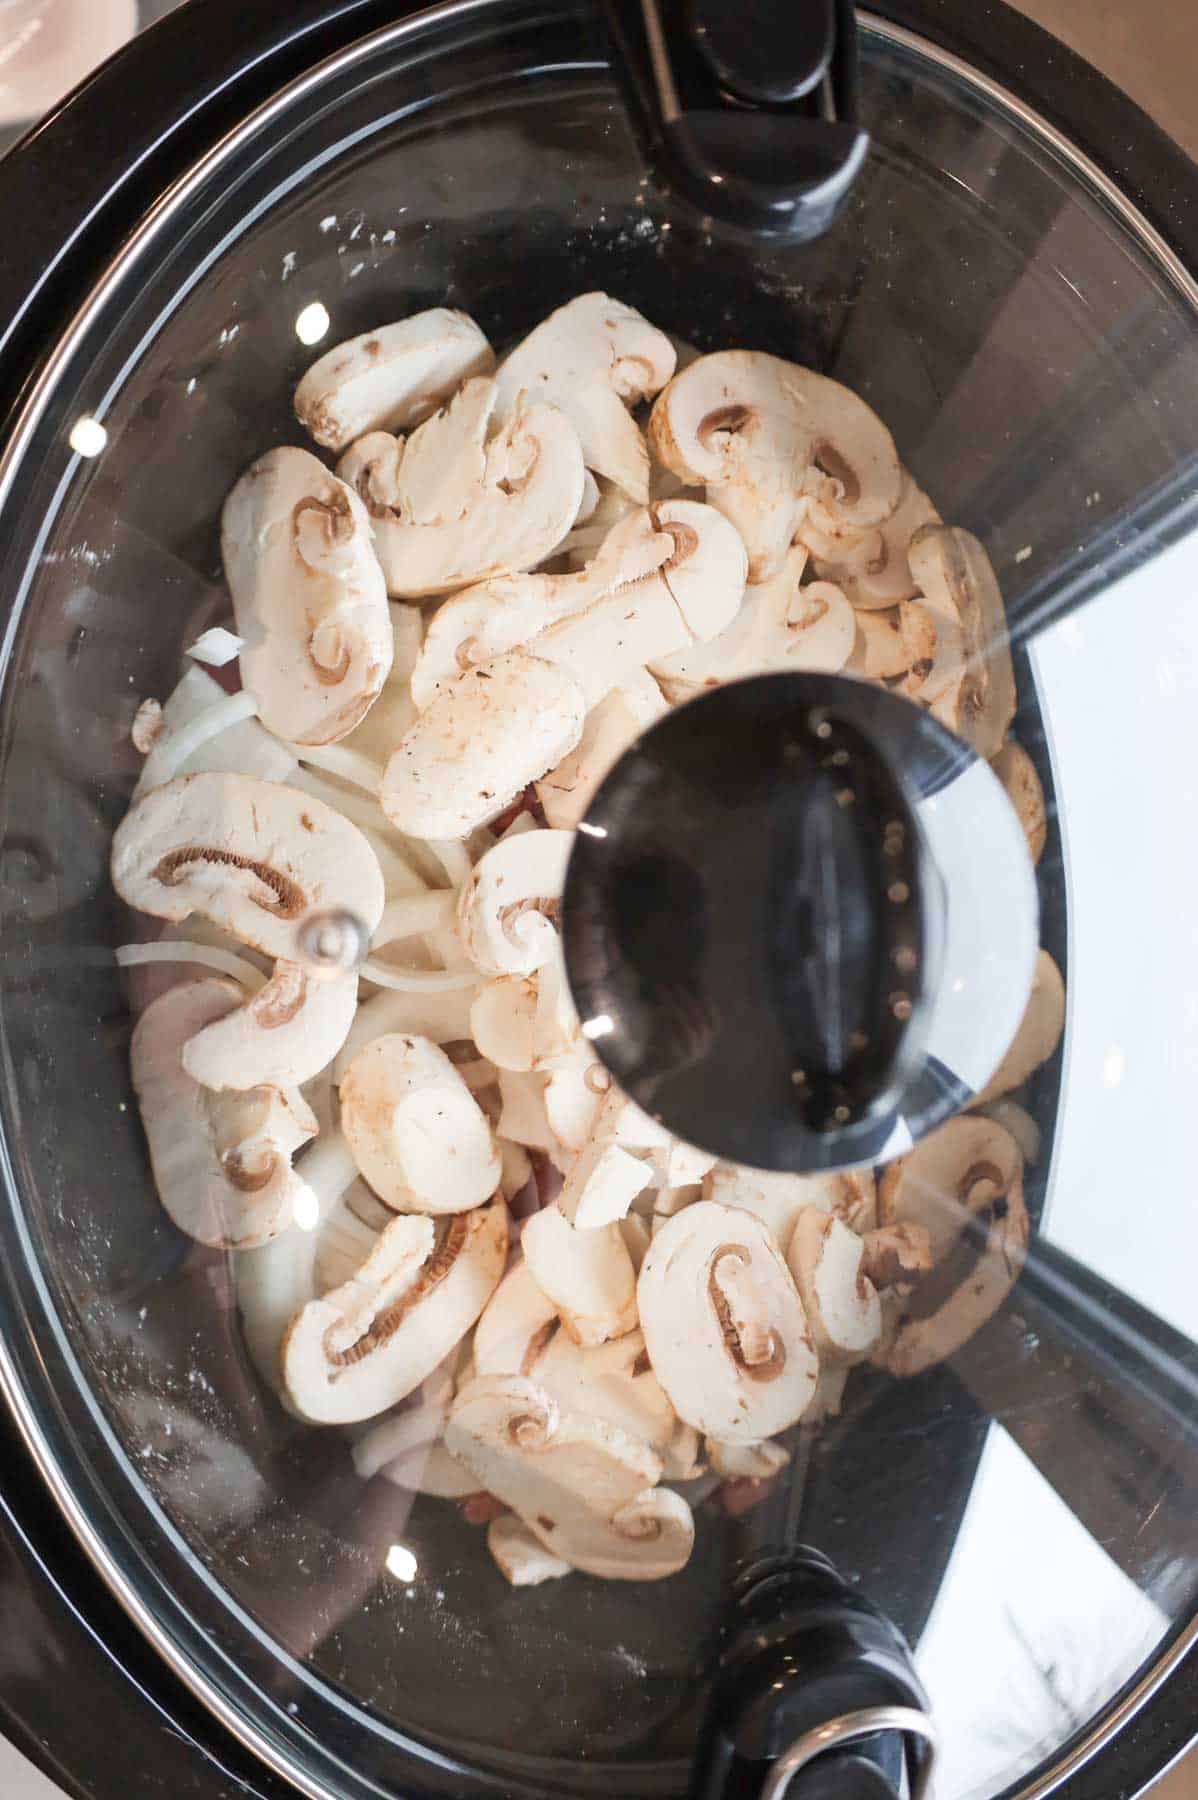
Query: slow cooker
202, 1595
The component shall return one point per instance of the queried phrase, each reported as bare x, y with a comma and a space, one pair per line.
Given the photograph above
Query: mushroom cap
521, 1558
252, 856
583, 1488
841, 1303
515, 1325
308, 596
511, 518
748, 1462
953, 1173
492, 617
503, 1022
222, 1163
724, 1325
594, 358
1038, 1035
752, 428
613, 1382
1017, 772
587, 1274
955, 575
567, 790
872, 567
778, 1199
386, 380
285, 1035
363, 1347
478, 745
506, 910
416, 1132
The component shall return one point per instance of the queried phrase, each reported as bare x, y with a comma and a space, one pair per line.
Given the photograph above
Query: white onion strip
453, 857
174, 747
184, 950
338, 759
366, 813
411, 981
412, 914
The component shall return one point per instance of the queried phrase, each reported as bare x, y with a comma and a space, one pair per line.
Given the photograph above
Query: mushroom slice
566, 792
724, 1325
308, 597
508, 908
516, 1324
777, 1199
479, 744
754, 430
841, 1303
880, 650
594, 358
503, 1023
363, 1347
520, 1557
222, 1163
431, 1470
389, 379
780, 625
955, 1172
254, 857
495, 616
896, 1258
585, 1489
1038, 1035
587, 1274
690, 598
873, 569
416, 1131
601, 1185
522, 1117
500, 506
955, 576
575, 1089
285, 1035
748, 1462
613, 1382
1017, 772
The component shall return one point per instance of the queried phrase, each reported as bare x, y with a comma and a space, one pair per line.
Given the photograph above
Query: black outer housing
81, 1692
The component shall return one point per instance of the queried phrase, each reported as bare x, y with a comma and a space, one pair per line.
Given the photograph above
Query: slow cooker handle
746, 112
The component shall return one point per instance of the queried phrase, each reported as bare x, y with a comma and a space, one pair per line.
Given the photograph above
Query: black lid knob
756, 922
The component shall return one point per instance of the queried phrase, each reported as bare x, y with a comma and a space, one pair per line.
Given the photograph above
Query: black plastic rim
73, 189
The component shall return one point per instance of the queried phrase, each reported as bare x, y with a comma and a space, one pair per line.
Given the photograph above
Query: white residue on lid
389, 236
191, 386
329, 222
1022, 555
357, 269
289, 264
228, 334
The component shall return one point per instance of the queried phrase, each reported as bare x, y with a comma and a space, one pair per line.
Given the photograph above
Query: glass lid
323, 1219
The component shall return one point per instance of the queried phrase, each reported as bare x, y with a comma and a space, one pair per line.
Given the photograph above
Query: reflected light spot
600, 1026
306, 1209
88, 437
401, 1563
599, 831
1114, 1067
312, 323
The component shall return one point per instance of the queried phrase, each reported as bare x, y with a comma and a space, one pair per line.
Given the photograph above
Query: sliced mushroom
594, 358
748, 1462
637, 1237
872, 567
755, 431
566, 792
951, 1174
308, 596
416, 1131
587, 1274
452, 507
841, 1303
285, 1035
601, 1185
880, 651
955, 576
896, 1258
389, 379
584, 1489
522, 1118
934, 650
479, 744
612, 1382
520, 1557
431, 1470
252, 856
575, 1089
516, 1324
508, 908
724, 1325
484, 621
777, 1199
222, 1163
690, 598
1017, 772
1038, 1035
363, 1347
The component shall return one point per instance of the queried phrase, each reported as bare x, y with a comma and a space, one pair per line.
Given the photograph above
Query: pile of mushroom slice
453, 1237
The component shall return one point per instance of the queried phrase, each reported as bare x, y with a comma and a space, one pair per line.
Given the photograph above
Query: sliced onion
216, 647
174, 747
367, 814
183, 950
411, 981
337, 759
453, 857
413, 914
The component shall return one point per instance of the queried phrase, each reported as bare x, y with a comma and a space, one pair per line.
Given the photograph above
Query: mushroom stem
746, 1331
